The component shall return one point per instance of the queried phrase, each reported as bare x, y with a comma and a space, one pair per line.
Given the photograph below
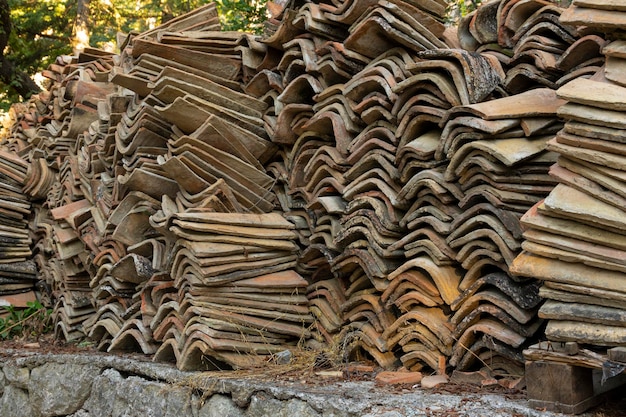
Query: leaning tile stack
18, 273
63, 224
574, 238
422, 288
77, 226
333, 100
498, 157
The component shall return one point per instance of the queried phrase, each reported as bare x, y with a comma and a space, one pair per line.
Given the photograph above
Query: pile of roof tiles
574, 239
18, 272
355, 177
52, 136
159, 224
412, 162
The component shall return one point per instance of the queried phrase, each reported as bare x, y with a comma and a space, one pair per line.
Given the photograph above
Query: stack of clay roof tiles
411, 189
356, 177
574, 239
136, 188
18, 273
52, 137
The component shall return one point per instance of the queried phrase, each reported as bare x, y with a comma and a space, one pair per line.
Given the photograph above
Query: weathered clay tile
222, 66
384, 25
347, 12
310, 18
592, 254
460, 65
204, 16
580, 51
593, 93
587, 181
539, 218
599, 18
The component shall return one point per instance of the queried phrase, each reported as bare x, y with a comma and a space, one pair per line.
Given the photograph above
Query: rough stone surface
15, 403
220, 406
3, 382
17, 375
80, 413
263, 404
60, 389
114, 395
103, 390
130, 388
298, 408
242, 396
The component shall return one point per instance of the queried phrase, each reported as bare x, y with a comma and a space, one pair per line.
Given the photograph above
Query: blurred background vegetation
34, 32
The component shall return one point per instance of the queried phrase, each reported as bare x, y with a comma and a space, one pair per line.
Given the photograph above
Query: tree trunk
19, 81
81, 27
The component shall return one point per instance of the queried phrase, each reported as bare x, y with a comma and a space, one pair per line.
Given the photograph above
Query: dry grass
302, 366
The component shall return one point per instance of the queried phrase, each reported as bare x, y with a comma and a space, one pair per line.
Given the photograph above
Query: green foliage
40, 32
33, 320
108, 17
242, 15
460, 8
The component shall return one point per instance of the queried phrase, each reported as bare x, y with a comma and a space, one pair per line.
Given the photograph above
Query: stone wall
98, 385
